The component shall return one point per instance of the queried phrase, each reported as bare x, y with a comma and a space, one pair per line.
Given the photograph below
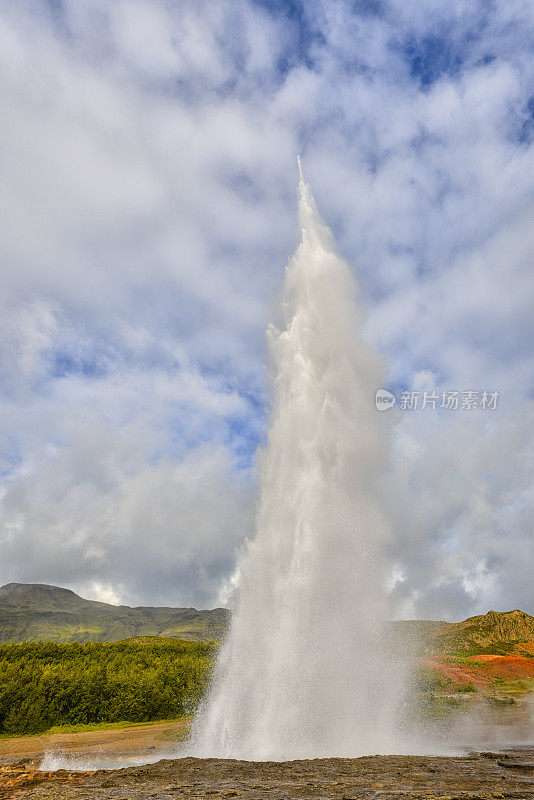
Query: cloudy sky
148, 210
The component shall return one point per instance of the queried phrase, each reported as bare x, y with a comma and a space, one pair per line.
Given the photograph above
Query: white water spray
302, 673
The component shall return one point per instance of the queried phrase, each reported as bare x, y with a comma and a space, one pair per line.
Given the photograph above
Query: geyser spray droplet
302, 673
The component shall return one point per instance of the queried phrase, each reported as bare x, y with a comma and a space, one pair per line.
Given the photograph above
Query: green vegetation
437, 706
464, 687
85, 677
495, 633
108, 726
104, 726
432, 681
37, 612
513, 685
45, 684
468, 662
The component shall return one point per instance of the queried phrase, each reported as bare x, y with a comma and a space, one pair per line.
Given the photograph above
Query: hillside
494, 633
38, 612
492, 653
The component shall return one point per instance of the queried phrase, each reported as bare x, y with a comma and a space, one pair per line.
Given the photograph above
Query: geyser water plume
302, 673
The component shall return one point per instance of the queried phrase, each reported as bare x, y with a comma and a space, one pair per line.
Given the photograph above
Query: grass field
95, 726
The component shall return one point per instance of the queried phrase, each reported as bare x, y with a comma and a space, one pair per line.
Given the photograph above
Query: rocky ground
477, 776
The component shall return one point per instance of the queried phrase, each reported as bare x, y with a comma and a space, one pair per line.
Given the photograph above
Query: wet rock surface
477, 776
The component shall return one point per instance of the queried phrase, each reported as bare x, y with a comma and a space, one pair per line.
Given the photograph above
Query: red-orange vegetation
481, 670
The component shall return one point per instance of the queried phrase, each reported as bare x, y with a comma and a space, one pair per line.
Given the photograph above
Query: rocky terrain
476, 776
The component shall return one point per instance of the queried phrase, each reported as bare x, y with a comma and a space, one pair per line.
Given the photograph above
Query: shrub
44, 684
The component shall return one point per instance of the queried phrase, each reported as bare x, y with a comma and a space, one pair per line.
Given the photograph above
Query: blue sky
149, 189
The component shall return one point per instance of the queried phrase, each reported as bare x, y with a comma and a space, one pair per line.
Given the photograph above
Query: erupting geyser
302, 674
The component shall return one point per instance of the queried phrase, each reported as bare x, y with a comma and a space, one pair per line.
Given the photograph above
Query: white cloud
148, 214
96, 517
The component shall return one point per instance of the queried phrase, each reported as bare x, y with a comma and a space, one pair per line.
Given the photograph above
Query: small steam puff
99, 759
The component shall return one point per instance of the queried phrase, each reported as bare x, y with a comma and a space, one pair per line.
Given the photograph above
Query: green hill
38, 612
494, 633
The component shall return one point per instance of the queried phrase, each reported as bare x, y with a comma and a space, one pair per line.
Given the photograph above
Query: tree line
43, 684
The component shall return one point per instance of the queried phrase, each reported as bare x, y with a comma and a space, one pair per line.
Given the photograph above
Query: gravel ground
477, 776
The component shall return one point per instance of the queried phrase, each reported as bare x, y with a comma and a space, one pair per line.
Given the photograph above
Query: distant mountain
41, 597
38, 612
